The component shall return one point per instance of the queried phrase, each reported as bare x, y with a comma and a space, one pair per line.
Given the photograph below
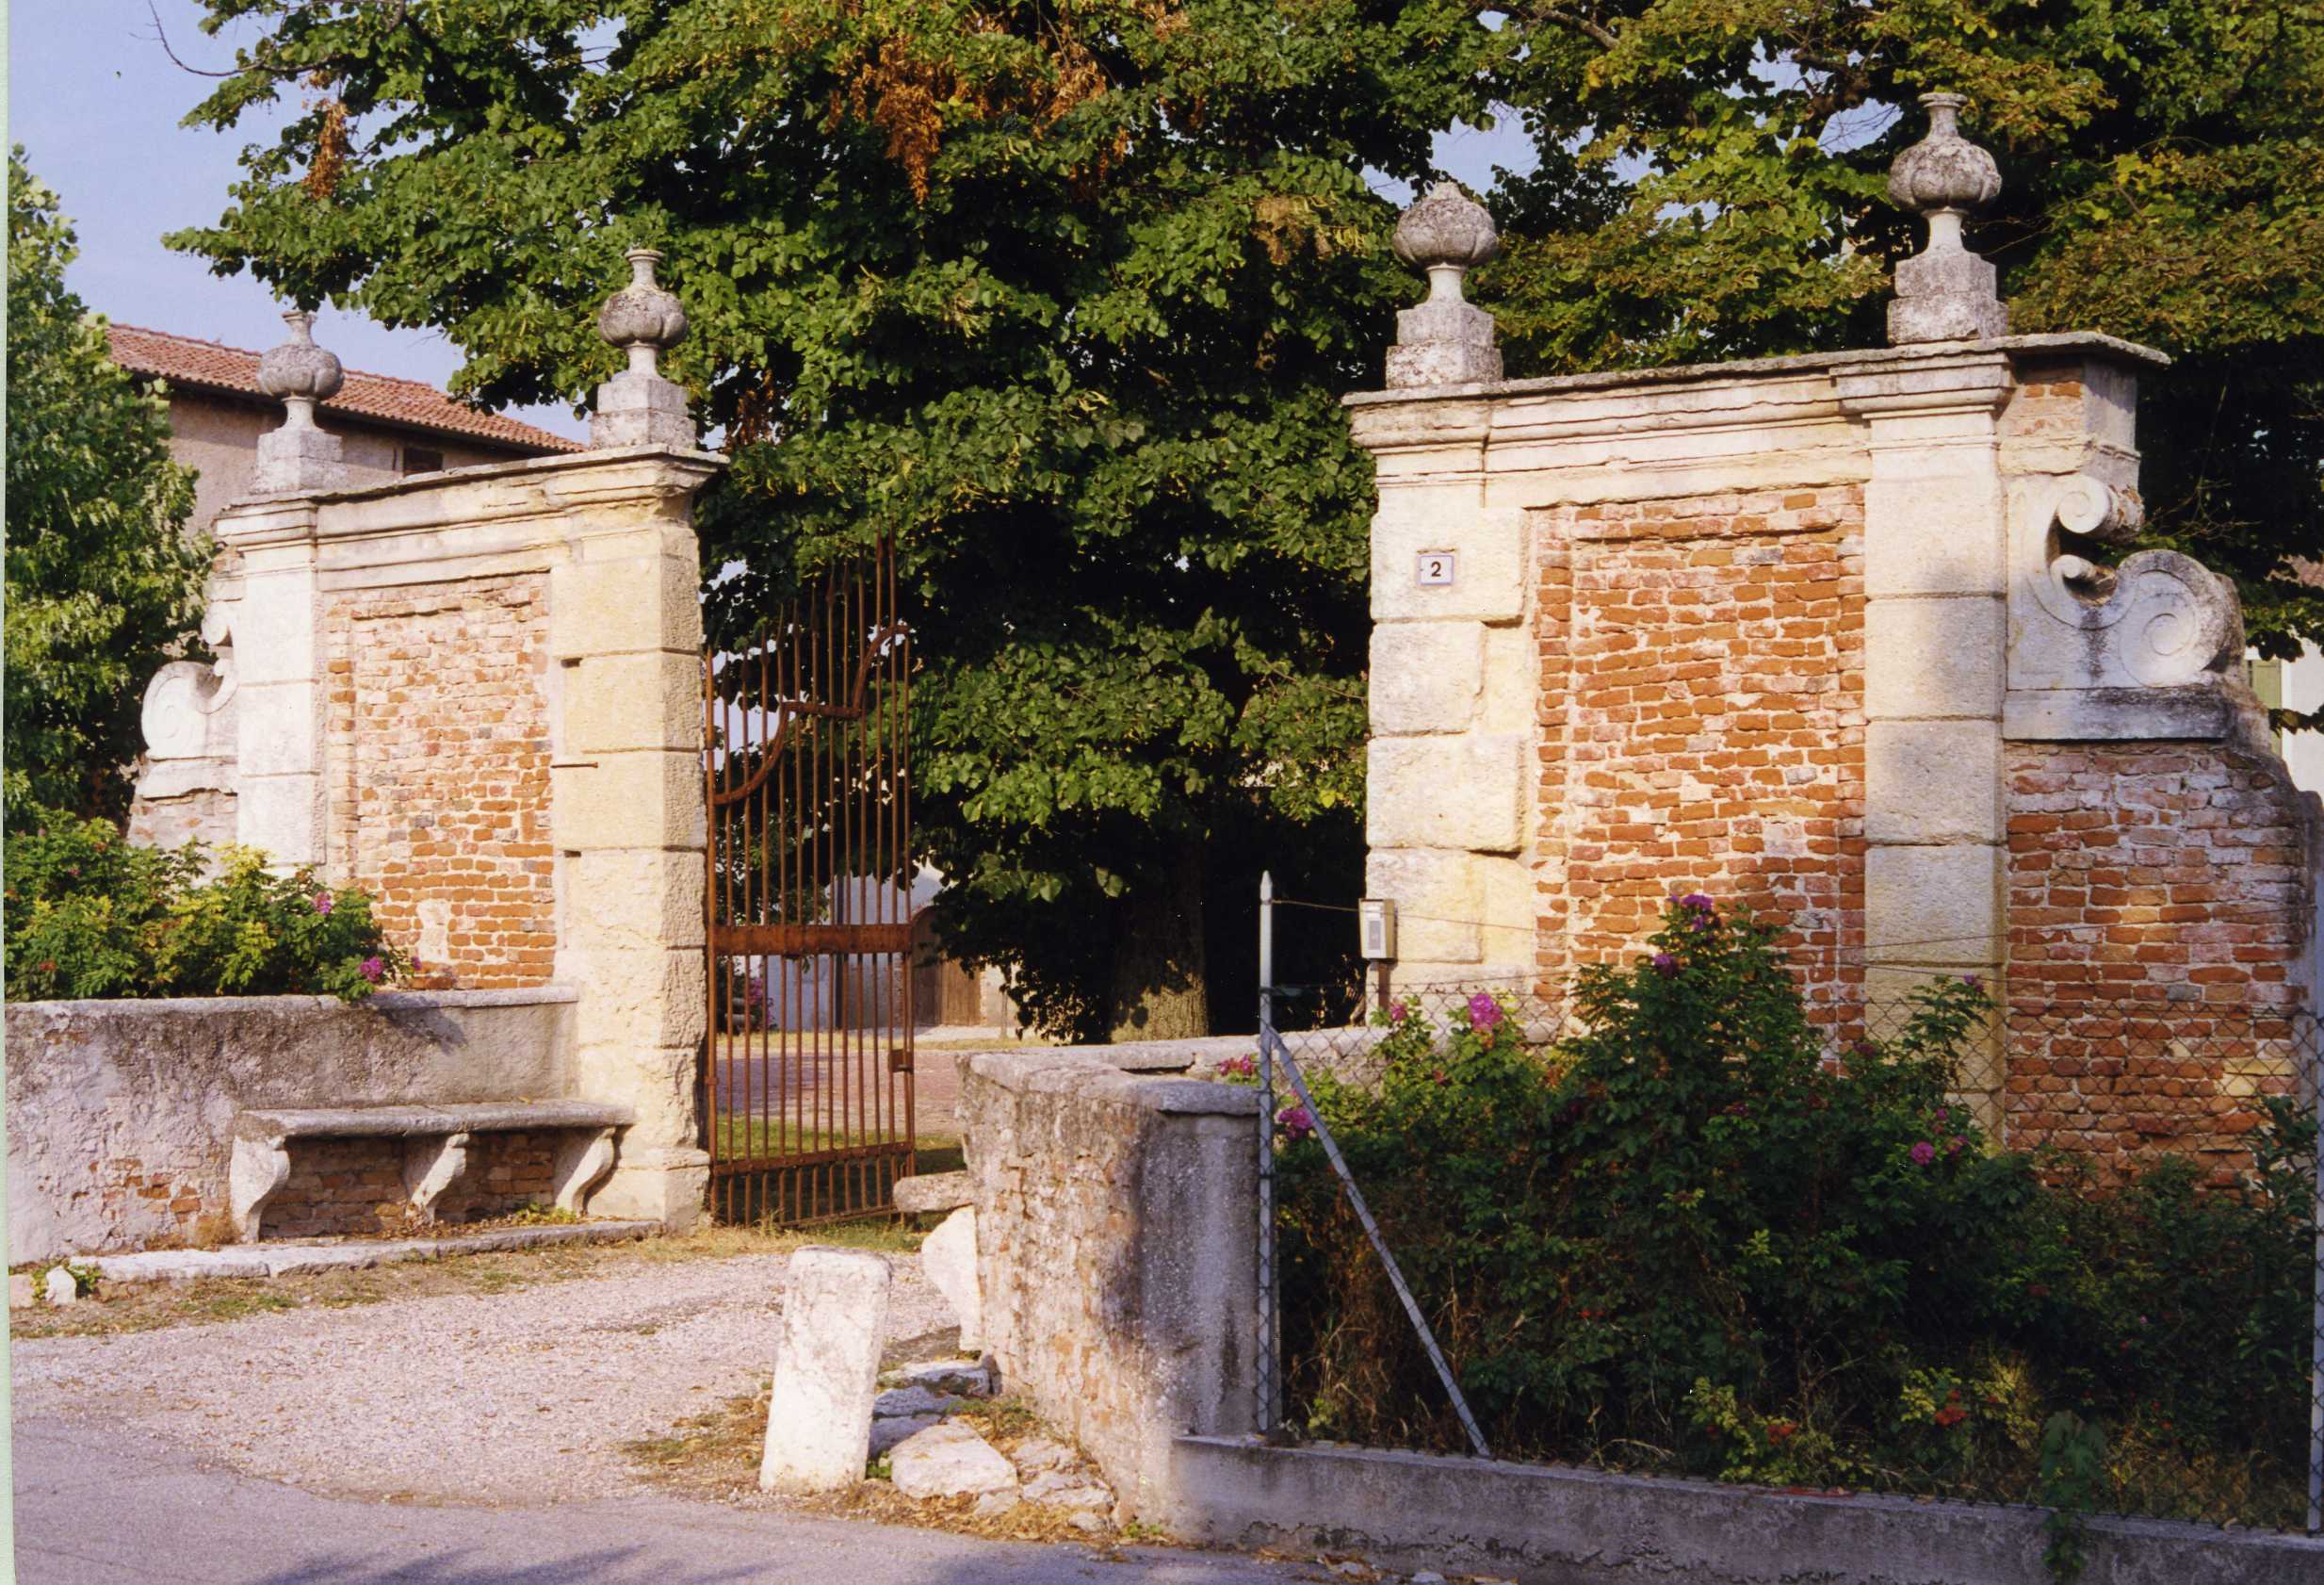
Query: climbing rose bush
1701, 1235
91, 914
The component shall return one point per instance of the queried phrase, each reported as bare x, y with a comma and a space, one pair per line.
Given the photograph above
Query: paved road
104, 1505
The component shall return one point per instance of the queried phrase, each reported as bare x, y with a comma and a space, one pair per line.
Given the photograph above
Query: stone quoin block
1426, 677
1932, 783
1938, 905
1465, 791
1935, 657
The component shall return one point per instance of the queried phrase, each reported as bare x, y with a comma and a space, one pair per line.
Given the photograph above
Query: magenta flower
1242, 1065
322, 902
1484, 1012
1922, 1154
1666, 966
1697, 900
1295, 1122
1398, 1011
372, 970
1972, 982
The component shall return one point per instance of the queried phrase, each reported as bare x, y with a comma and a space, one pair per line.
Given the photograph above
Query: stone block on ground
21, 1291
60, 1286
1063, 1489
886, 1433
826, 1371
1036, 1453
912, 1400
932, 1191
993, 1504
968, 1378
949, 1258
948, 1460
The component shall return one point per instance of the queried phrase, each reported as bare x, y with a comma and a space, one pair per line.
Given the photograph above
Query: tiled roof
186, 362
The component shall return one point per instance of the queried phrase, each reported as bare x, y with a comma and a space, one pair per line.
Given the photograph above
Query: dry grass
716, 1455
128, 1307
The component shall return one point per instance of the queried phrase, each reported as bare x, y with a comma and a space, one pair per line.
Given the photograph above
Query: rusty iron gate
808, 1064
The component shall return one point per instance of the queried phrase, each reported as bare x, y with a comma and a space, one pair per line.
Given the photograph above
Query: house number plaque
1434, 569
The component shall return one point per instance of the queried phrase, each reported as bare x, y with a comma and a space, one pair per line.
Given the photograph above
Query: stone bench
435, 1149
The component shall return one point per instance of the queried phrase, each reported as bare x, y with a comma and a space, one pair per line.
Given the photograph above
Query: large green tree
1061, 295
1711, 185
103, 584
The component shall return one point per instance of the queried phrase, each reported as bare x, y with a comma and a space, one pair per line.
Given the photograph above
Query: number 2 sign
1434, 569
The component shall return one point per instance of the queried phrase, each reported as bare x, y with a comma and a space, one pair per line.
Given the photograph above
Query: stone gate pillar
477, 694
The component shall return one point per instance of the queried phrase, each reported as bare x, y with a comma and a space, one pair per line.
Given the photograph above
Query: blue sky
96, 103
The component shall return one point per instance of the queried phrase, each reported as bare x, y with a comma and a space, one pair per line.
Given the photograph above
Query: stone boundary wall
1540, 1523
120, 1113
1116, 1253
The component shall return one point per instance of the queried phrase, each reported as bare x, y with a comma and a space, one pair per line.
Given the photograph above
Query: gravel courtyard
522, 1396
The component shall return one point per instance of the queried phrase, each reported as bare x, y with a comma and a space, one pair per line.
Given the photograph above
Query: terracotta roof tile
185, 361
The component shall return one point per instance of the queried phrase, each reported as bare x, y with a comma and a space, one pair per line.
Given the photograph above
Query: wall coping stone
385, 1001
1588, 1527
1060, 1069
555, 462
2085, 342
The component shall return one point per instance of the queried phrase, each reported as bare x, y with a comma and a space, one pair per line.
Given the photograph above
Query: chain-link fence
2052, 1253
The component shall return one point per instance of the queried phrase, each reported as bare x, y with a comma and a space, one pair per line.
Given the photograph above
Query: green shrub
1689, 1239
91, 915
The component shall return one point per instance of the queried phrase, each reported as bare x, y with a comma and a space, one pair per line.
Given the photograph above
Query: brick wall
2158, 908
204, 816
1702, 721
438, 714
342, 1186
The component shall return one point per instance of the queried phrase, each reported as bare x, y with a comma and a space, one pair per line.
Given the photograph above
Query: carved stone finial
1944, 292
300, 455
641, 318
638, 407
1445, 340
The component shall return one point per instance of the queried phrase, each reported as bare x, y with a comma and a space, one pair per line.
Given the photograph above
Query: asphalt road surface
106, 1505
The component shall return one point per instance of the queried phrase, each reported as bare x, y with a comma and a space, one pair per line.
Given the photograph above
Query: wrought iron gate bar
807, 1065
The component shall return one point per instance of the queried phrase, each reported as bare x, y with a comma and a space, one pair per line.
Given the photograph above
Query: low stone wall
121, 1114
1579, 1527
1115, 1219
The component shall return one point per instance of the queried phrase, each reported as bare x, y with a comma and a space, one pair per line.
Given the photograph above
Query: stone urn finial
639, 407
299, 453
641, 318
1944, 292
299, 373
1446, 340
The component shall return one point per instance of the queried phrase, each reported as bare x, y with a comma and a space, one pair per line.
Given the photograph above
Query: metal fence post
1270, 1329
2314, 1073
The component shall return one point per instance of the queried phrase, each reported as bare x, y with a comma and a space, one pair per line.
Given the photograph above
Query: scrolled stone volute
298, 370
1944, 292
643, 318
1446, 227
1445, 339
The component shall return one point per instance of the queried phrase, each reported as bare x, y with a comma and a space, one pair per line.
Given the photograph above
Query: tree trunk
1157, 992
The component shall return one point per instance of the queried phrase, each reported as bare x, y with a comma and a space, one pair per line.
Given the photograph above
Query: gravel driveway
515, 1397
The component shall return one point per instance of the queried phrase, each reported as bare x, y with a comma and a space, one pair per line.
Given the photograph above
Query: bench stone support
261, 1166
583, 1160
432, 1167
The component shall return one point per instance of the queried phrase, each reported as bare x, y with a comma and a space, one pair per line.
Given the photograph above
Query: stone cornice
2082, 343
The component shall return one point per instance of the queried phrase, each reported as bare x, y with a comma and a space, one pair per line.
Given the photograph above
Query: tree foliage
102, 579
1060, 296
1711, 186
